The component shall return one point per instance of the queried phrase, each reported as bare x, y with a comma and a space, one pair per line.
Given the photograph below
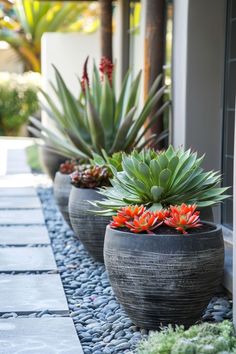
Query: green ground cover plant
199, 339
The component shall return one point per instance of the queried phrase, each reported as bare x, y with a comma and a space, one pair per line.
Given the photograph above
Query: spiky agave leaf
160, 179
100, 120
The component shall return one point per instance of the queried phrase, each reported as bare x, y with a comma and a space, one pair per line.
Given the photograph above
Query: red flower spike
183, 217
85, 78
146, 222
106, 68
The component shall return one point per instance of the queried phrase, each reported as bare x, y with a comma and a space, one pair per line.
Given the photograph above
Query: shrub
18, 100
199, 339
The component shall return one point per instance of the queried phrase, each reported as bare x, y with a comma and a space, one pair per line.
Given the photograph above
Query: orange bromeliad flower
146, 222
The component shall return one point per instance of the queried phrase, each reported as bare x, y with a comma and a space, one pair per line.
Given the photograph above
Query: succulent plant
183, 217
146, 222
160, 179
99, 120
88, 176
68, 167
137, 219
127, 214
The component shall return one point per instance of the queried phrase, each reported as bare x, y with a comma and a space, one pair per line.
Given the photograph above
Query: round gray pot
163, 279
88, 227
50, 161
62, 187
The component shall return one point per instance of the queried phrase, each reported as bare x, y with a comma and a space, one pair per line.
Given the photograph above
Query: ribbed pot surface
88, 227
62, 187
162, 279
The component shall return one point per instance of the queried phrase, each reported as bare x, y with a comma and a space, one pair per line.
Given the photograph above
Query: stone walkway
29, 283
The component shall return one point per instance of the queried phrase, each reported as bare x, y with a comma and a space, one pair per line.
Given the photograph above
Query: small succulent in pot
88, 176
159, 252
88, 227
68, 167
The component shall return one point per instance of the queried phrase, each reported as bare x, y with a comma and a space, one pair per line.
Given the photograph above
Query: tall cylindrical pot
88, 227
62, 187
163, 279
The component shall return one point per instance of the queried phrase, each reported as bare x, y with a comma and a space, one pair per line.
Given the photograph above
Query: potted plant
62, 187
100, 122
88, 227
100, 119
164, 262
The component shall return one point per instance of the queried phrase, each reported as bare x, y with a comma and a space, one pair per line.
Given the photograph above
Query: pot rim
85, 189
217, 228
63, 174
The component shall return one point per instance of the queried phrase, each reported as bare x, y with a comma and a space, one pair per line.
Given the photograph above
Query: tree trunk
106, 28
154, 50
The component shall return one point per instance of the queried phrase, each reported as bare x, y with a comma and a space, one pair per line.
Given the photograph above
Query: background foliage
23, 23
18, 100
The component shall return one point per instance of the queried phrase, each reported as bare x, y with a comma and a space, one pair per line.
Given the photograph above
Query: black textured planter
50, 161
62, 187
88, 227
162, 279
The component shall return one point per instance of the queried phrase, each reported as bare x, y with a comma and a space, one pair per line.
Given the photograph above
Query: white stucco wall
68, 51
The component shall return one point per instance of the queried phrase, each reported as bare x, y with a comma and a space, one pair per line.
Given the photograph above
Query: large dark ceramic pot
163, 279
50, 161
62, 187
88, 227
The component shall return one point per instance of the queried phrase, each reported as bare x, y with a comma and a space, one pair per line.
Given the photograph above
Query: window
229, 111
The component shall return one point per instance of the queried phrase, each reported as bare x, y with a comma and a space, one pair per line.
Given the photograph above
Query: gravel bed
101, 323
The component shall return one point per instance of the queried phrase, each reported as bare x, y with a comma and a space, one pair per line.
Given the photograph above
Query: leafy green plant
100, 121
160, 179
199, 339
23, 22
18, 100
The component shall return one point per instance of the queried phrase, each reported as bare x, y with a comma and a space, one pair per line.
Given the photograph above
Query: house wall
198, 74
